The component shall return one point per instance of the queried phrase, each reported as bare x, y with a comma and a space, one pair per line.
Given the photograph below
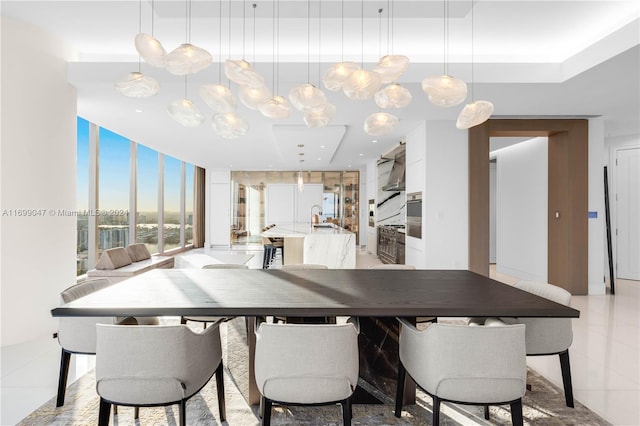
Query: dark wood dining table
311, 293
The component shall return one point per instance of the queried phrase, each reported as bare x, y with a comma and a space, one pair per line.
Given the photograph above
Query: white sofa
120, 263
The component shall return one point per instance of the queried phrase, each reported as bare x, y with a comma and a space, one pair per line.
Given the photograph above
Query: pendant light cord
445, 14
362, 33
139, 31
188, 24
152, 17
308, 41
319, 40
472, 31
342, 29
253, 60
244, 8
219, 42
380, 33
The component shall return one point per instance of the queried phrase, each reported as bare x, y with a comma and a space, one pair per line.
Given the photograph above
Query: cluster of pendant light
346, 76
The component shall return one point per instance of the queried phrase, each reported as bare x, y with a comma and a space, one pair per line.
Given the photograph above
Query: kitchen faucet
315, 218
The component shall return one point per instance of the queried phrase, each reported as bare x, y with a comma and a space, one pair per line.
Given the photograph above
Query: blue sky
114, 173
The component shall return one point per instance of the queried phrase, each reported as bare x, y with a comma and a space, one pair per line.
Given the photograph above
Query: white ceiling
531, 58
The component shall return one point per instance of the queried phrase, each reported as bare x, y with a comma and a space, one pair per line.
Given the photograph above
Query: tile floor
605, 357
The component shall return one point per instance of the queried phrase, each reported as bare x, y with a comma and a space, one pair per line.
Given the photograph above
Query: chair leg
220, 388
104, 412
266, 415
136, 413
346, 412
436, 410
565, 366
486, 412
402, 374
65, 360
183, 413
516, 413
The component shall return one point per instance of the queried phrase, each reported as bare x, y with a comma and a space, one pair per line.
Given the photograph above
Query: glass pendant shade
150, 50
391, 67
241, 72
185, 113
218, 97
380, 123
320, 117
444, 90
362, 85
138, 85
275, 107
306, 97
393, 96
187, 59
252, 97
474, 113
230, 125
337, 74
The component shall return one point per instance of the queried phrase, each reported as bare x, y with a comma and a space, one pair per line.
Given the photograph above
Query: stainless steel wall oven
414, 214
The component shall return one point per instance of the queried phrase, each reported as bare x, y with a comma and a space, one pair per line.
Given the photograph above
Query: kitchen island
323, 244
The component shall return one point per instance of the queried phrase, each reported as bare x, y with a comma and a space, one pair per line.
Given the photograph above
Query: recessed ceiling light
138, 110
374, 141
319, 158
361, 154
322, 146
349, 166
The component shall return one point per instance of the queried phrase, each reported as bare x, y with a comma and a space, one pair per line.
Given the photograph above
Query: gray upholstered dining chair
396, 266
77, 335
156, 366
549, 336
209, 319
302, 364
466, 365
303, 266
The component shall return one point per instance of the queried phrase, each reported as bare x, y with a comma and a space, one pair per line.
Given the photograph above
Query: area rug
543, 405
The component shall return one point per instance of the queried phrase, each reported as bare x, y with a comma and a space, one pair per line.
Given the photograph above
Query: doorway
627, 201
567, 257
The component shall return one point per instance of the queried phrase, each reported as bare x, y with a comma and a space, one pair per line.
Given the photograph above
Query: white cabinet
286, 204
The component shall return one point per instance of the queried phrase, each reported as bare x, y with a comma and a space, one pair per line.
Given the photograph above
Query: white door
628, 213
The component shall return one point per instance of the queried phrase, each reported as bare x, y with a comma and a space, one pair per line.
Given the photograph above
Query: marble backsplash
390, 207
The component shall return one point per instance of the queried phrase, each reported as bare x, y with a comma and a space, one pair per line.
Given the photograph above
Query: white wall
38, 158
437, 165
521, 210
597, 240
371, 194
218, 202
492, 211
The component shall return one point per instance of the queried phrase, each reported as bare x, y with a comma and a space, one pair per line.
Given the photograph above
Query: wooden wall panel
559, 212
479, 199
568, 194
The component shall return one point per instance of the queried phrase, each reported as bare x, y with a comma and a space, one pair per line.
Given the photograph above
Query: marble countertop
301, 230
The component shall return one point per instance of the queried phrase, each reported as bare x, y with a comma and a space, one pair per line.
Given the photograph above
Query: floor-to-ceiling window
113, 183
147, 198
188, 201
172, 211
129, 183
82, 170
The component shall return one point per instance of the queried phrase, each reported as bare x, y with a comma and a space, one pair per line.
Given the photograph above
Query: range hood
396, 177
